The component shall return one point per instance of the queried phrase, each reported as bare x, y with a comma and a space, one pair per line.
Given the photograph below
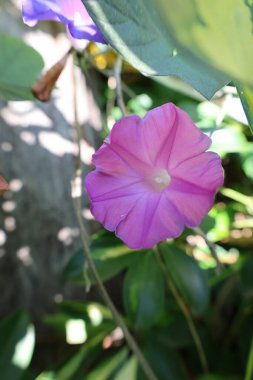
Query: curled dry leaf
42, 89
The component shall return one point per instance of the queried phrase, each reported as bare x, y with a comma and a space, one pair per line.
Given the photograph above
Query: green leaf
135, 30
144, 291
188, 277
110, 255
246, 95
128, 370
16, 345
165, 362
108, 367
20, 66
82, 359
214, 31
175, 335
247, 164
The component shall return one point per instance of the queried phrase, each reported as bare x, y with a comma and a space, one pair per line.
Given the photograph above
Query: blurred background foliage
218, 297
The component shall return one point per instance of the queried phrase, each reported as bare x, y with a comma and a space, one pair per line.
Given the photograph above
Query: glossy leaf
187, 276
144, 291
136, 31
213, 31
16, 345
20, 66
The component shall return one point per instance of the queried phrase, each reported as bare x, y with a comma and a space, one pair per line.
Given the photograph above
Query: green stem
184, 309
211, 247
238, 197
87, 253
119, 94
116, 316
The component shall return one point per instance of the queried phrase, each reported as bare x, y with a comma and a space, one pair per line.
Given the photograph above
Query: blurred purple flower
153, 177
72, 13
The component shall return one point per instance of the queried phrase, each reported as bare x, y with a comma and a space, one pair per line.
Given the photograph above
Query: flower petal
159, 129
86, 32
152, 219
112, 197
192, 206
203, 170
36, 10
111, 162
193, 186
72, 13
127, 135
188, 142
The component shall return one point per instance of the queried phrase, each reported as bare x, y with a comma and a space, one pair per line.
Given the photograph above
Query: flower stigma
159, 180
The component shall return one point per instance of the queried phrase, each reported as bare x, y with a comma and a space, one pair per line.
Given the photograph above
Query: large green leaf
135, 29
188, 277
16, 346
20, 66
144, 291
217, 32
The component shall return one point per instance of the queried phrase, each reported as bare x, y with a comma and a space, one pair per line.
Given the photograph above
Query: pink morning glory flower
72, 13
153, 177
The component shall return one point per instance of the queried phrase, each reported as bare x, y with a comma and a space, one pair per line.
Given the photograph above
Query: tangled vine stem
184, 309
119, 93
87, 253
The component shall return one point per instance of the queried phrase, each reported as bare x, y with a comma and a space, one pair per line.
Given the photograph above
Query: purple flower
153, 177
72, 13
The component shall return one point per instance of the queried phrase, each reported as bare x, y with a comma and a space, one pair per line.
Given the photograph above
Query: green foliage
128, 370
143, 291
20, 66
137, 32
188, 277
78, 363
108, 367
206, 44
165, 362
16, 345
110, 255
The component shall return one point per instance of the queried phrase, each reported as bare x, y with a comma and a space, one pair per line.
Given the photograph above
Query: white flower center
159, 180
